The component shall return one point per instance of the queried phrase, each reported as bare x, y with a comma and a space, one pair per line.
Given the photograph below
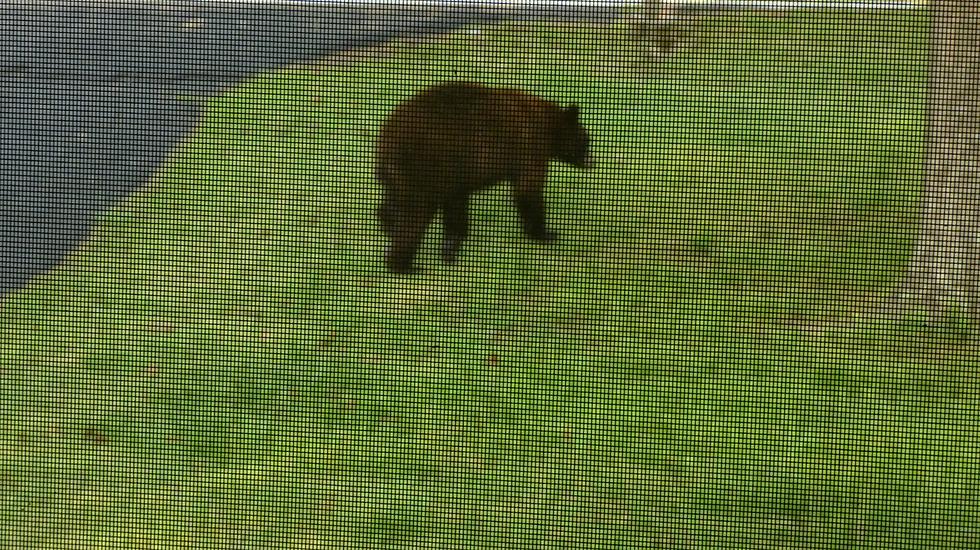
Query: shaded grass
225, 364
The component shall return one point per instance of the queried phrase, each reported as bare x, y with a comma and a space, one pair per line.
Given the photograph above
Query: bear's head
571, 143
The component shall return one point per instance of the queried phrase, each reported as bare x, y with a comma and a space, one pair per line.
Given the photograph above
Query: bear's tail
383, 172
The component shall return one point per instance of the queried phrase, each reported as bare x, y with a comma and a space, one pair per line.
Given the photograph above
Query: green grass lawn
225, 364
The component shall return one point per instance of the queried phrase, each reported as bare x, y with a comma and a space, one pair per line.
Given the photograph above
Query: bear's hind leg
406, 237
384, 214
455, 225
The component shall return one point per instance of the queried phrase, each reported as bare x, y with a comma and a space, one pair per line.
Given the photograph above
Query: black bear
439, 147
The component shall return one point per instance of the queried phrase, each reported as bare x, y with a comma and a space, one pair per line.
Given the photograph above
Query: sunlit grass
226, 364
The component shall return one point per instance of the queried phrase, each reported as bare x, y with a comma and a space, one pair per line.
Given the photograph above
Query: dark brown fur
452, 140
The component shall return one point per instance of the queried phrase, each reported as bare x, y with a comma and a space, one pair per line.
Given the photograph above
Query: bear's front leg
529, 200
455, 225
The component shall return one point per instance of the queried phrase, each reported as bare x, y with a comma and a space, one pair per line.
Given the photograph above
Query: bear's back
485, 133
471, 103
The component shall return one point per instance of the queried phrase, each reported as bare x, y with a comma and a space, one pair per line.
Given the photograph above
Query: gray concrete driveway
88, 92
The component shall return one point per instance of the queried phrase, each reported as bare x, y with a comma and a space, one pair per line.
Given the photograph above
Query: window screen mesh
271, 277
